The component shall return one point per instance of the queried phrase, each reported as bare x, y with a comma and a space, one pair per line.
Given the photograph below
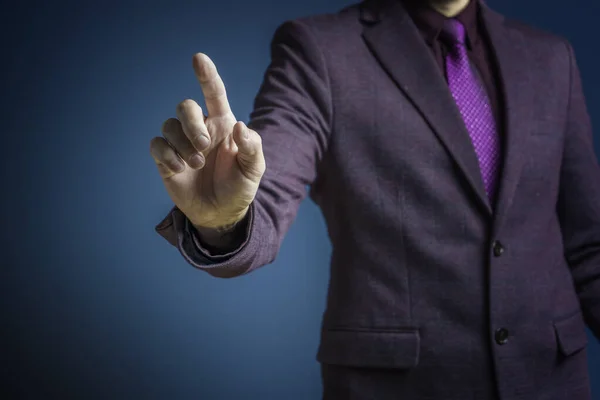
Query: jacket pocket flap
370, 348
570, 334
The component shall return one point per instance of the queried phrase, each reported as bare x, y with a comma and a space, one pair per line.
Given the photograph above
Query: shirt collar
430, 22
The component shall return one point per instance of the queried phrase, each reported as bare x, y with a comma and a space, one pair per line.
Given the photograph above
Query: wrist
221, 228
210, 233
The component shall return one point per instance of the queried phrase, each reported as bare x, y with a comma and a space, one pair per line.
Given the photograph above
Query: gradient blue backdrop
95, 305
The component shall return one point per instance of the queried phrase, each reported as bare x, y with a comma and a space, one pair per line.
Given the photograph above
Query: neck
449, 8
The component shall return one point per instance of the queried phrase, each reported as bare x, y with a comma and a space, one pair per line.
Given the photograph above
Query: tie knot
454, 32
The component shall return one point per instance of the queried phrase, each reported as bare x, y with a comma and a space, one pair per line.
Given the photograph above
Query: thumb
250, 155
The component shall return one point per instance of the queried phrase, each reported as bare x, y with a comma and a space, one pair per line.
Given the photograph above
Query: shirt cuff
195, 249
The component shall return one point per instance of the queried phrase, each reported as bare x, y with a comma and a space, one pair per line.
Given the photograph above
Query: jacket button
501, 336
497, 248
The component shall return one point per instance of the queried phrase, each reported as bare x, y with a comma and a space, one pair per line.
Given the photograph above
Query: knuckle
255, 172
160, 153
170, 125
173, 164
172, 160
200, 142
185, 105
194, 139
164, 152
254, 169
155, 145
155, 142
195, 126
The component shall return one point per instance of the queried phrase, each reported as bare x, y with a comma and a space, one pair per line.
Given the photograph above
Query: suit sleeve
579, 202
292, 114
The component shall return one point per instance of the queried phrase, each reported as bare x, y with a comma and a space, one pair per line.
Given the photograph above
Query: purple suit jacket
433, 293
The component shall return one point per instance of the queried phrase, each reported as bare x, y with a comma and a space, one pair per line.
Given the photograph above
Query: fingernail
196, 161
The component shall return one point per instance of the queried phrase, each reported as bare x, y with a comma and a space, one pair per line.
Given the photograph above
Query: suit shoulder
343, 18
536, 35
327, 26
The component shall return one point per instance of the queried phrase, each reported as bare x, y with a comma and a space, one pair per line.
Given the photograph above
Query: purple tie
474, 105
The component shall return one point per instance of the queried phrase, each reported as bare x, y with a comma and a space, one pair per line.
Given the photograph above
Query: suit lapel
511, 57
397, 44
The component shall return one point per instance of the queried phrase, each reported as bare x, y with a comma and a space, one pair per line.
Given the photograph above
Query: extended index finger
212, 85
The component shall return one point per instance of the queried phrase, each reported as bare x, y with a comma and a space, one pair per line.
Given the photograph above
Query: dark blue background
95, 304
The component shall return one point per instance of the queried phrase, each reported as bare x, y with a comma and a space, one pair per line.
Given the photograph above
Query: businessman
451, 153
